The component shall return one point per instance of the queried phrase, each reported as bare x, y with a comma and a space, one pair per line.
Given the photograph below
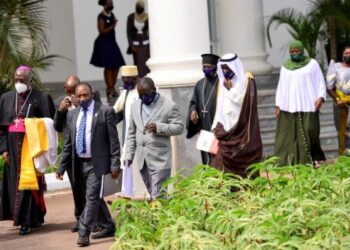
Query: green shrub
285, 208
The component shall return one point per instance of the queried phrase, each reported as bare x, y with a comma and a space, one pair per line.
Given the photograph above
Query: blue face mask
148, 99
228, 74
85, 103
128, 85
209, 72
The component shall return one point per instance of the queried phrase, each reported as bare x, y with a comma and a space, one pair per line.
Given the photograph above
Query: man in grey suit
153, 120
91, 148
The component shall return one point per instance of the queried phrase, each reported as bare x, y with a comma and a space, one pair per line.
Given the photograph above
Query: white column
241, 31
179, 34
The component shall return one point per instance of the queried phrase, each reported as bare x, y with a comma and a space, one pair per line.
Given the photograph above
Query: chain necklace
205, 104
20, 111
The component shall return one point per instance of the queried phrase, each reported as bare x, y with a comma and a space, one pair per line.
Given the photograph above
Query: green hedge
286, 208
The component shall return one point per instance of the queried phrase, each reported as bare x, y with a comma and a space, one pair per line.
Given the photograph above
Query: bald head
70, 84
146, 83
146, 87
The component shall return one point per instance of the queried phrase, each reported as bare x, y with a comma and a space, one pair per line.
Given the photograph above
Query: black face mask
346, 59
139, 9
110, 8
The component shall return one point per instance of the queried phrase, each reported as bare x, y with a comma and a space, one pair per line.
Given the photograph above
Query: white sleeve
319, 83
119, 104
331, 75
232, 105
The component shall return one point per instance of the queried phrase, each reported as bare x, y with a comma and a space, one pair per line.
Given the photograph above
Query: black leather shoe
24, 230
96, 229
75, 228
83, 241
104, 233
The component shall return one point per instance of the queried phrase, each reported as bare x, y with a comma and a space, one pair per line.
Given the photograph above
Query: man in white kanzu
300, 93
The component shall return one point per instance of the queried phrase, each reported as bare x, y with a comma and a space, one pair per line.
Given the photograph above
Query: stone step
266, 96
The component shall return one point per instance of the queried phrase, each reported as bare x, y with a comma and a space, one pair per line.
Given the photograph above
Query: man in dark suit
91, 149
64, 103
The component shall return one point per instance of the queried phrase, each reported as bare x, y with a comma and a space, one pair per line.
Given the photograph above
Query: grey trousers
95, 209
154, 179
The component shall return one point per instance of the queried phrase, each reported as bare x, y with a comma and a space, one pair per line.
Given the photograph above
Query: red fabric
38, 195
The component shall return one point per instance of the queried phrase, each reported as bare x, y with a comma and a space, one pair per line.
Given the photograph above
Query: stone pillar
241, 31
179, 34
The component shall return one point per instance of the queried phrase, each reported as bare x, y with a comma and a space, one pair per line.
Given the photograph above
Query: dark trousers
206, 158
95, 207
78, 195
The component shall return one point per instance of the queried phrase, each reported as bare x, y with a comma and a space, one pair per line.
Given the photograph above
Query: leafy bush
285, 208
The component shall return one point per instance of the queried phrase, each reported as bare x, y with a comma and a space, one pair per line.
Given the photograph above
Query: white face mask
21, 87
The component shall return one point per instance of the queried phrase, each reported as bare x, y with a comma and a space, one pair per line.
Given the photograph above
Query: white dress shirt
89, 116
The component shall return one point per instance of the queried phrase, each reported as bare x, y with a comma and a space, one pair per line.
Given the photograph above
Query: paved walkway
54, 233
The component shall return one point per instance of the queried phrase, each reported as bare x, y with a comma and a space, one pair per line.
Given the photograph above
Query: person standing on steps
106, 53
138, 37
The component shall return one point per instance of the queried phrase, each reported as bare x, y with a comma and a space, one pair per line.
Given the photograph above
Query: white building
180, 31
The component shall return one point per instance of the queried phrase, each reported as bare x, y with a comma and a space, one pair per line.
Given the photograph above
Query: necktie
81, 141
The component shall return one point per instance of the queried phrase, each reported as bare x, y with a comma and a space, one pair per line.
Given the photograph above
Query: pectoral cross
16, 122
203, 112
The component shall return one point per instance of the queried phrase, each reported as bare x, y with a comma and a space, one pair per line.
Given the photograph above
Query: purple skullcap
24, 68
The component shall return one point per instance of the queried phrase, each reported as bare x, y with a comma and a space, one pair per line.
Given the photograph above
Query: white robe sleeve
331, 75
119, 104
232, 107
319, 83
